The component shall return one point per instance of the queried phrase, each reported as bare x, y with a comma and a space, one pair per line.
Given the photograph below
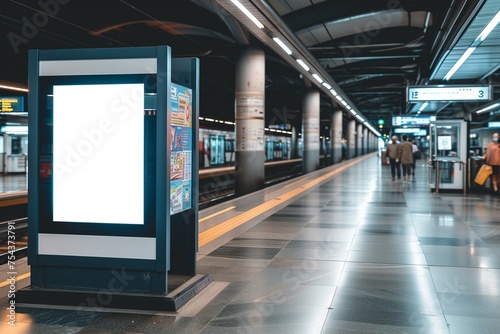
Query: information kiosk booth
448, 155
113, 207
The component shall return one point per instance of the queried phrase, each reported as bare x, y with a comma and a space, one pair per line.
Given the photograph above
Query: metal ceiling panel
368, 24
320, 35
281, 6
485, 58
297, 4
308, 38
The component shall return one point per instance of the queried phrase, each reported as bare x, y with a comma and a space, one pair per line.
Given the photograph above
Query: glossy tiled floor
356, 254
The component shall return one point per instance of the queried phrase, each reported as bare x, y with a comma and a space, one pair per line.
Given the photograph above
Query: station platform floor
340, 250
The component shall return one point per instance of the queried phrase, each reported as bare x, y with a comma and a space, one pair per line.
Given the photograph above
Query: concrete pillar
310, 132
359, 139
366, 147
249, 117
336, 136
351, 139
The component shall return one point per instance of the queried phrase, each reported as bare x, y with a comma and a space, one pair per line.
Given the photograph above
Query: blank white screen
99, 153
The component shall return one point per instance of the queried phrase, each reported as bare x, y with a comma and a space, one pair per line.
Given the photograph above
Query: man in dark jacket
393, 151
406, 158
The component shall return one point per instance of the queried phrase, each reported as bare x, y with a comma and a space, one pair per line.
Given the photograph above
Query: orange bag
482, 175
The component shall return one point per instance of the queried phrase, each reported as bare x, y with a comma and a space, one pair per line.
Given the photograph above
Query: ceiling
369, 51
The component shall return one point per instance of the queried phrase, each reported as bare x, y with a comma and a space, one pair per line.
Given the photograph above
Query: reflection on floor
356, 254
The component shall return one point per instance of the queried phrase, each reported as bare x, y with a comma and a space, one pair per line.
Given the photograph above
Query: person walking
492, 157
415, 151
393, 151
406, 158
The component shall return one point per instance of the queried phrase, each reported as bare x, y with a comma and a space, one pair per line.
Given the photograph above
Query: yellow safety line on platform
219, 230
18, 278
215, 214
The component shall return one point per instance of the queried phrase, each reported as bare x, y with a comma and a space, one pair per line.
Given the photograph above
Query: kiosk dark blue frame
101, 126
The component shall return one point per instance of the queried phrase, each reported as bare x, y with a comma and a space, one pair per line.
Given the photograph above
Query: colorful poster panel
180, 149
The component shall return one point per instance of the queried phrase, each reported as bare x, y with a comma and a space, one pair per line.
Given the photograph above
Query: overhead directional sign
449, 93
412, 120
11, 103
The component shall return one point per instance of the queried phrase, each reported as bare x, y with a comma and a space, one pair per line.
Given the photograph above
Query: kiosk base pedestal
181, 291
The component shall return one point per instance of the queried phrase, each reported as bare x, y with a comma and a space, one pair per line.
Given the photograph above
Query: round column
249, 117
336, 136
310, 133
359, 139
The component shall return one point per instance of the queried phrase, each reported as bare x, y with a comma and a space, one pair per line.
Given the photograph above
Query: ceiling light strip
248, 14
493, 106
459, 63
282, 45
19, 89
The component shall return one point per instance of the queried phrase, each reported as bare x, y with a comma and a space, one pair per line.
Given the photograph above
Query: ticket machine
448, 155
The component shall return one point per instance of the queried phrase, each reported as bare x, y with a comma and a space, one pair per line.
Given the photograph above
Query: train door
2, 153
217, 150
278, 150
230, 152
286, 149
206, 150
269, 149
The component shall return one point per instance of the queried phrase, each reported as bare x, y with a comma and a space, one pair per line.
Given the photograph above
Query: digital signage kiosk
113, 176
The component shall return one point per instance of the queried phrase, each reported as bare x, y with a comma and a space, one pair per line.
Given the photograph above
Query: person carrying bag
492, 165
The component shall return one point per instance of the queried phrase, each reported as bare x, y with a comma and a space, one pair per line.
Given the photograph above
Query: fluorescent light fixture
488, 108
19, 89
423, 106
318, 78
333, 92
360, 118
327, 85
353, 112
489, 28
248, 14
427, 19
282, 45
344, 103
15, 129
459, 63
338, 97
209, 119
301, 63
